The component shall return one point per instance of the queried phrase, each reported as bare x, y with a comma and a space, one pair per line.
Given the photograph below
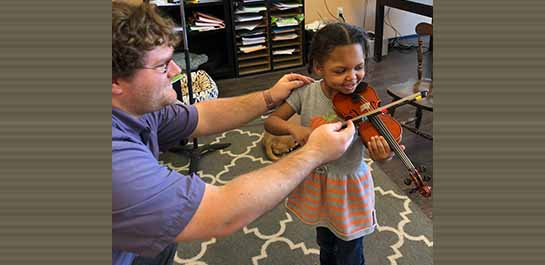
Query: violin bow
416, 96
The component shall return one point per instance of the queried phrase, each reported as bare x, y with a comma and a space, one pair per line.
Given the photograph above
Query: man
152, 206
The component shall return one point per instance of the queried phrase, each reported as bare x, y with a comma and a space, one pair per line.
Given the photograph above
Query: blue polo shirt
151, 204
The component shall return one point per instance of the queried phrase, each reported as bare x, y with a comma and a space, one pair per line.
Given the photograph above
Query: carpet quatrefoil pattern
404, 235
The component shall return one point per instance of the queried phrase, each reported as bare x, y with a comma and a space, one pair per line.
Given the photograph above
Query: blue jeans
166, 257
335, 251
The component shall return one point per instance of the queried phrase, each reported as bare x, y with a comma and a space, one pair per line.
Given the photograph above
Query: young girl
338, 198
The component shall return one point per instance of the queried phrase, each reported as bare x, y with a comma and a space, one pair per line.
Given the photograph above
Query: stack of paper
283, 6
286, 22
251, 25
252, 40
289, 36
243, 18
203, 22
249, 49
283, 52
284, 30
246, 9
256, 32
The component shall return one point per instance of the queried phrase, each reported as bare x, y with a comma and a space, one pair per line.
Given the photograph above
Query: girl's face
343, 69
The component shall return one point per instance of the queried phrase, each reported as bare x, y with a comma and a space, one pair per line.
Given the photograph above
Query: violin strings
381, 127
379, 124
392, 142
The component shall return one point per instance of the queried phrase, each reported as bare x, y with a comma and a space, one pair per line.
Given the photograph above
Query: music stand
195, 152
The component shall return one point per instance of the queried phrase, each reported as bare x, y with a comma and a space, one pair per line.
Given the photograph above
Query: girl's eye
339, 71
359, 67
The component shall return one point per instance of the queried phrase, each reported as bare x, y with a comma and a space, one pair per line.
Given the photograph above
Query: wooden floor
397, 67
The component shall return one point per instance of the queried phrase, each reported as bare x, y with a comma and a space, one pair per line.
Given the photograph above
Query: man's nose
173, 69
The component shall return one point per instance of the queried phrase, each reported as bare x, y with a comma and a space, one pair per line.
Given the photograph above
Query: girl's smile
343, 69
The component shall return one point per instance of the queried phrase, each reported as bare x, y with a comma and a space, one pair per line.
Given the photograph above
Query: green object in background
294, 20
177, 78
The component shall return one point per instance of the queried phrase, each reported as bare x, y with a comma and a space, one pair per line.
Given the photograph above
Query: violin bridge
365, 107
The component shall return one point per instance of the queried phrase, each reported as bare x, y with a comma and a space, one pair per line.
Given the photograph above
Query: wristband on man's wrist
268, 99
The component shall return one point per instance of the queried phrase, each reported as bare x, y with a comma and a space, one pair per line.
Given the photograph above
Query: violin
362, 107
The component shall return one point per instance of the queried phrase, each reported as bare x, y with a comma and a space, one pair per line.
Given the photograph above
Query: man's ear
117, 86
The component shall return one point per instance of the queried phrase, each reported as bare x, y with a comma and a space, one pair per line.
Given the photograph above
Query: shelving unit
248, 24
290, 44
287, 38
251, 29
220, 62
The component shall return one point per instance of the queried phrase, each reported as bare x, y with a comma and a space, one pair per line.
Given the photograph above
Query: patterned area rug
404, 235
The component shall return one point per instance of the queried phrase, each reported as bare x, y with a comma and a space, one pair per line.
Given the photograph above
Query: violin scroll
425, 190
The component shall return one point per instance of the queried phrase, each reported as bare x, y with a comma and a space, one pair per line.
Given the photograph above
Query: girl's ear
318, 69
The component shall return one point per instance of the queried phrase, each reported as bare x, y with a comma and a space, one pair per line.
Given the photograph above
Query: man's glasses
163, 68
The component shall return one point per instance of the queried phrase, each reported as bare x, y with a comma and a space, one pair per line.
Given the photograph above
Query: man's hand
329, 141
282, 89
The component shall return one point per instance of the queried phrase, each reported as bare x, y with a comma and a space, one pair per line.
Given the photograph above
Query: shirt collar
126, 121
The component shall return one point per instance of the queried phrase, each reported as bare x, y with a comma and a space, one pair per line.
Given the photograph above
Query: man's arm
223, 114
228, 208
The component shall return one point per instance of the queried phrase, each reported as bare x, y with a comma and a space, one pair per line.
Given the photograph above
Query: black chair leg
418, 118
392, 110
195, 152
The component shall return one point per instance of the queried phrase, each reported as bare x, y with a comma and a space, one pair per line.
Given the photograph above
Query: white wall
355, 11
403, 21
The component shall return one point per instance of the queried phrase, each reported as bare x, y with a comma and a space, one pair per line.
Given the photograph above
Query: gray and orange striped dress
338, 195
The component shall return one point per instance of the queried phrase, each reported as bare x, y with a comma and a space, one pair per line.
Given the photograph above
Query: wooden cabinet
287, 40
268, 35
251, 36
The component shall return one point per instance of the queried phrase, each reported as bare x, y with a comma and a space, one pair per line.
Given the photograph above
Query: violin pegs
426, 178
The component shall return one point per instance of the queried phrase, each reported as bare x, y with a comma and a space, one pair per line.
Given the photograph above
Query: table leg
379, 28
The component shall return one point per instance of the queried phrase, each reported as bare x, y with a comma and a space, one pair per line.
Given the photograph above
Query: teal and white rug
404, 235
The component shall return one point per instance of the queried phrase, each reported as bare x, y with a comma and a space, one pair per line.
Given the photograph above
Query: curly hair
137, 29
331, 36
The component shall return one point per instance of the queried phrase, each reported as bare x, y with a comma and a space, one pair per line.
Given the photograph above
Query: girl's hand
300, 134
379, 149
